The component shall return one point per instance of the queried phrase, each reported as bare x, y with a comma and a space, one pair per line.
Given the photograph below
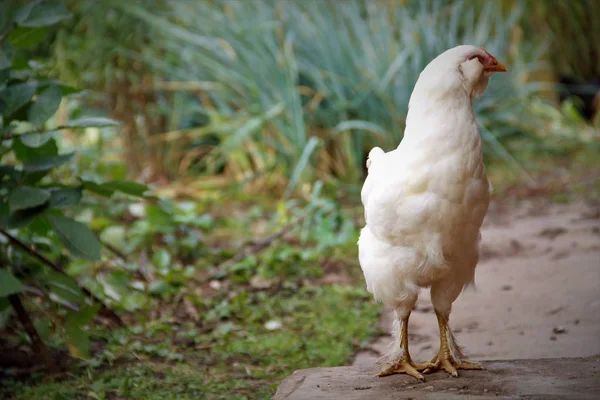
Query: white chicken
424, 204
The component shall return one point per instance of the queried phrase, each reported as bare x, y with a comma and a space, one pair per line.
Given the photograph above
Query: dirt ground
537, 295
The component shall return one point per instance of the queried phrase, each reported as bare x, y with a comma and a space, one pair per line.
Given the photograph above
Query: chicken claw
408, 367
447, 363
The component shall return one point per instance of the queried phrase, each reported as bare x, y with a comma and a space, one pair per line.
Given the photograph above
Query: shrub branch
108, 313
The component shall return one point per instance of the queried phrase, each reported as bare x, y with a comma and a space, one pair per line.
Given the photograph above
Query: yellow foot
408, 367
448, 364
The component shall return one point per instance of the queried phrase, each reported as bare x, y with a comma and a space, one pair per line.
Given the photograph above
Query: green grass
321, 326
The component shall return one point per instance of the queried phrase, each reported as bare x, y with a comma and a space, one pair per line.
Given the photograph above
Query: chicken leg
405, 365
449, 357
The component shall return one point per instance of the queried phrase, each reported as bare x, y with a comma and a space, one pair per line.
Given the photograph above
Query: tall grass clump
291, 91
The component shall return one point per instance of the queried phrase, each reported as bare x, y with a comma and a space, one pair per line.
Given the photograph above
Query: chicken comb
487, 52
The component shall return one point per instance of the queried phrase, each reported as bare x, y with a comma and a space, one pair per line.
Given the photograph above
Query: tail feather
375, 153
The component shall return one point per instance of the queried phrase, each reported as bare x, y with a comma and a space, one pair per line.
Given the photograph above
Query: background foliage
250, 123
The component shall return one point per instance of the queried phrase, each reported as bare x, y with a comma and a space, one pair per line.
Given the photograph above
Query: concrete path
522, 379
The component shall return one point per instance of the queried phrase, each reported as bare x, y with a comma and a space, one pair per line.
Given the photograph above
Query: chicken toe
408, 367
445, 361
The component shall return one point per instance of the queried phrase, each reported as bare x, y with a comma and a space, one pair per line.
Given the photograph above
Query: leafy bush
38, 191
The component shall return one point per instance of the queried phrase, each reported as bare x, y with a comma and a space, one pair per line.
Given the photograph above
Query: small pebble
521, 333
576, 322
559, 330
490, 343
553, 338
507, 288
485, 390
428, 388
272, 325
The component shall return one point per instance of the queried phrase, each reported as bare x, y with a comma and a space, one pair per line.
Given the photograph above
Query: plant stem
38, 344
110, 314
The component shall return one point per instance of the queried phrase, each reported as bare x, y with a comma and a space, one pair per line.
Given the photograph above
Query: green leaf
97, 188
108, 188
41, 13
6, 55
24, 152
4, 305
9, 284
161, 258
40, 227
23, 197
25, 38
46, 163
45, 106
134, 301
4, 75
116, 284
128, 187
83, 316
10, 171
65, 197
31, 178
4, 213
90, 122
62, 288
4, 17
67, 89
76, 237
21, 218
158, 287
114, 235
36, 140
16, 96
42, 326
77, 340
22, 13
125, 390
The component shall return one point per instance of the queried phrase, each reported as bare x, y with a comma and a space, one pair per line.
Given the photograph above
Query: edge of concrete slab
562, 378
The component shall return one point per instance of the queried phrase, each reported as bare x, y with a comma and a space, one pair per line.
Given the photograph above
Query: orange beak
493, 65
